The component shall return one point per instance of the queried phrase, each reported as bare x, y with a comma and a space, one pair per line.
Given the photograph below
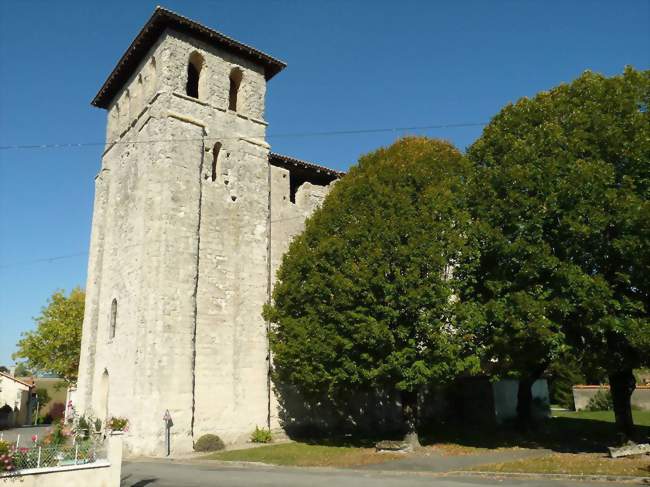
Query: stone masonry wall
185, 257
287, 221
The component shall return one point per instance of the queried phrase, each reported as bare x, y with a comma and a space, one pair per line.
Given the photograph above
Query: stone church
192, 214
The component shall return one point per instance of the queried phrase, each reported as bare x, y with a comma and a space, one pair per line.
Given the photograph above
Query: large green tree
560, 200
55, 344
365, 297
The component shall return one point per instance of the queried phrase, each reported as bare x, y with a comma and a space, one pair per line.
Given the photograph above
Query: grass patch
641, 418
566, 432
306, 455
575, 464
456, 449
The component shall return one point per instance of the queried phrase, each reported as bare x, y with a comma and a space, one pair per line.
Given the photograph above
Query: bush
4, 447
564, 373
261, 435
57, 411
47, 419
209, 443
602, 401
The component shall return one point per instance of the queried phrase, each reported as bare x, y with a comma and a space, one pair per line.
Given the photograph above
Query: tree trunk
622, 385
410, 415
525, 420
525, 403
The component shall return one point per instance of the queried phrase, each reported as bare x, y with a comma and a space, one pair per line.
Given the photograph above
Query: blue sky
351, 65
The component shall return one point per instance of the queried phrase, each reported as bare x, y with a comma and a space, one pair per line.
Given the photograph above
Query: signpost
167, 418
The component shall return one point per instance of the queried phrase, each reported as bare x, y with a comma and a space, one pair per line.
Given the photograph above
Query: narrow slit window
215, 159
194, 75
235, 82
113, 323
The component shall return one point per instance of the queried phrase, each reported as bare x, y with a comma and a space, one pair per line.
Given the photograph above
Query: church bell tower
179, 259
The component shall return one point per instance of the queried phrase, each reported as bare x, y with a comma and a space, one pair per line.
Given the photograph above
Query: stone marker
392, 446
627, 450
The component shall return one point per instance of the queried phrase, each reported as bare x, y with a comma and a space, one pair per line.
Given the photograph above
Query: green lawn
304, 455
641, 418
579, 441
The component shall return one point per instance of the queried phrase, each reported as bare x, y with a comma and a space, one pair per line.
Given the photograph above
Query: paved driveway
24, 434
171, 474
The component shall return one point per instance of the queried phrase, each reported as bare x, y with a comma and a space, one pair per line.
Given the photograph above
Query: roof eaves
17, 380
305, 164
161, 19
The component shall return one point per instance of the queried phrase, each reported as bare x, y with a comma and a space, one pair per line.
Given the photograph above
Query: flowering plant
117, 424
57, 435
6, 457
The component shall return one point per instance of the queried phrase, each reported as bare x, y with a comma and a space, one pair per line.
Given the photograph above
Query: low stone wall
582, 395
101, 473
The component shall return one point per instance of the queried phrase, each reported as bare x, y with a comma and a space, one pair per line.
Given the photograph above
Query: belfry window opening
236, 76
194, 67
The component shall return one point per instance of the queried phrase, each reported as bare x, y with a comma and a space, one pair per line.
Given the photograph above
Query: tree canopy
560, 202
55, 344
365, 295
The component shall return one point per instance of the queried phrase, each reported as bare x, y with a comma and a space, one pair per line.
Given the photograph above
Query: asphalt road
168, 474
24, 434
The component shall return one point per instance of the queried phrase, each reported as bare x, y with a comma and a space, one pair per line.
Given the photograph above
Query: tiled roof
16, 380
155, 26
286, 161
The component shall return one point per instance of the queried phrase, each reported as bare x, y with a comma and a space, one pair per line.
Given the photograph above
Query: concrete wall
582, 394
505, 398
102, 473
55, 387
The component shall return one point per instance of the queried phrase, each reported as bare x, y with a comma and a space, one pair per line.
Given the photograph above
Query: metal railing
58, 455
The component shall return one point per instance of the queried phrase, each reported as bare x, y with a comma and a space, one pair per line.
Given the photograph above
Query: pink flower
34, 438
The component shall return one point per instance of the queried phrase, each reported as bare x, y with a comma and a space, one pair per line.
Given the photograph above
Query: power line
55, 258
72, 145
43, 259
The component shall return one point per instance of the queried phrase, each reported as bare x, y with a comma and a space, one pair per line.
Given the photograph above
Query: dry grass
306, 455
575, 464
456, 449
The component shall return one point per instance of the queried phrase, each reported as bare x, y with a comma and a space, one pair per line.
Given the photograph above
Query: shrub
209, 443
57, 435
261, 435
564, 373
602, 401
540, 408
57, 411
5, 447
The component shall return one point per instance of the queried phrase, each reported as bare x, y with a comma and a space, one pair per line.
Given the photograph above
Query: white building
14, 401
